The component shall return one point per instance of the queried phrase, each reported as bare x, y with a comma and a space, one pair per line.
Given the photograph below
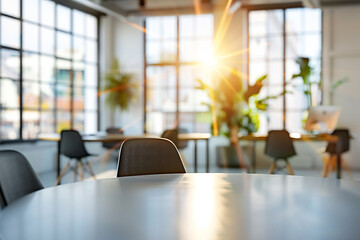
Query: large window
276, 39
175, 48
48, 69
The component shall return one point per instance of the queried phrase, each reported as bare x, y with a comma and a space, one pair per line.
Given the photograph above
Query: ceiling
154, 7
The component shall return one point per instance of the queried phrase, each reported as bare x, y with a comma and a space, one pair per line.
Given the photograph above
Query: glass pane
312, 20
9, 93
203, 50
10, 124
191, 100
157, 122
153, 52
296, 99
31, 122
303, 45
90, 122
276, 103
47, 13
47, 96
30, 66
30, 37
266, 23
47, 69
275, 48
258, 48
63, 120
187, 50
10, 64
78, 101
11, 7
91, 75
79, 22
189, 74
161, 77
63, 18
79, 121
169, 27
91, 51
63, 44
10, 32
187, 26
257, 69
63, 99
168, 53
294, 20
90, 99
204, 25
294, 121
31, 10
275, 120
31, 95
79, 48
47, 41
91, 26
275, 73
63, 71
47, 122
161, 100
79, 74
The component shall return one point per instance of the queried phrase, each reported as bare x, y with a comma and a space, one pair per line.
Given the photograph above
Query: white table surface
189, 206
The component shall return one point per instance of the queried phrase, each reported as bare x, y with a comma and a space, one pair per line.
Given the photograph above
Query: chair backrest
112, 130
172, 135
71, 144
279, 145
17, 178
344, 141
142, 156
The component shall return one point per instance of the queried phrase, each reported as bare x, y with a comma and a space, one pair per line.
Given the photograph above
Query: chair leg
90, 169
81, 171
62, 174
289, 168
272, 167
75, 171
326, 167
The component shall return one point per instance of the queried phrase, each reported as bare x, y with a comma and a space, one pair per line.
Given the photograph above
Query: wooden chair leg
289, 168
81, 171
62, 174
272, 168
90, 169
326, 167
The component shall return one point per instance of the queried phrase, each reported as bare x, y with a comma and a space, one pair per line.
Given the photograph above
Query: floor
108, 170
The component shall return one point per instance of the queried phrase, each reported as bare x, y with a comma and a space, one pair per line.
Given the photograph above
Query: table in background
296, 137
103, 137
189, 206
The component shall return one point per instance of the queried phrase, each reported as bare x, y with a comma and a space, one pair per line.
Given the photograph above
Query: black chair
143, 156
72, 146
344, 146
112, 130
17, 178
279, 145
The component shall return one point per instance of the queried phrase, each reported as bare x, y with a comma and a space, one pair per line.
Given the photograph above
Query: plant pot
226, 157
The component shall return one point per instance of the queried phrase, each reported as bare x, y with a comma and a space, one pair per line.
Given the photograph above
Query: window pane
187, 26
275, 120
161, 77
294, 121
294, 20
10, 124
79, 22
10, 32
47, 122
90, 122
47, 13
91, 26
303, 45
31, 122
79, 121
153, 52
31, 95
63, 71
91, 75
47, 41
31, 10
10, 64
30, 37
63, 18
47, 69
63, 44
90, 99
30, 66
63, 120
78, 101
91, 51
79, 48
9, 93
63, 100
11, 7
312, 20
169, 27
79, 74
47, 97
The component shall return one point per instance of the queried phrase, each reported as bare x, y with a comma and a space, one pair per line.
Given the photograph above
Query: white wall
341, 48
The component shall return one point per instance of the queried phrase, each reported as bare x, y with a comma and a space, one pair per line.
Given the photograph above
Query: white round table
189, 206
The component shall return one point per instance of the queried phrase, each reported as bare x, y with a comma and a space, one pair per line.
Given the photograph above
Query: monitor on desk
322, 119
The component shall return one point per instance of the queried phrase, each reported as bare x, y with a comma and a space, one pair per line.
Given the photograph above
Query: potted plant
120, 88
235, 108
